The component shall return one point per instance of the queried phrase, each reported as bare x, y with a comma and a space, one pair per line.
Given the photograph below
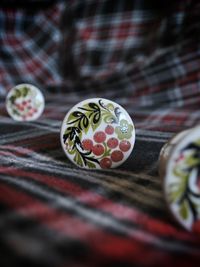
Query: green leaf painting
79, 122
89, 117
184, 191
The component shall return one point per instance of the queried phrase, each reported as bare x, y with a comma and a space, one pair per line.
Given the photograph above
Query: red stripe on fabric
183, 80
104, 246
94, 200
102, 242
14, 149
189, 78
32, 66
7, 153
52, 138
50, 145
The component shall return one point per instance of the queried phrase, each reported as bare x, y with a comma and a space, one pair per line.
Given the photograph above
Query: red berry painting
25, 102
97, 134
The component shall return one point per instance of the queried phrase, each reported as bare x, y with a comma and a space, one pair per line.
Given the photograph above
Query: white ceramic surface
97, 134
182, 180
25, 102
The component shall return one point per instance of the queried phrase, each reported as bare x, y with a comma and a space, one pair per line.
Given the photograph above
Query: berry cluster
104, 141
26, 109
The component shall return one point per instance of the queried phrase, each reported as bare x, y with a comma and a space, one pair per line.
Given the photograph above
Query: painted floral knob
180, 168
25, 102
97, 134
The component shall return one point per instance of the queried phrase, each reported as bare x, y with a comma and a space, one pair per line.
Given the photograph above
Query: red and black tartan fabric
146, 58
29, 40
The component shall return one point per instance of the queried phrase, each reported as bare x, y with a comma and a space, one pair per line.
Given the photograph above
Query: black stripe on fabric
109, 193
110, 6
93, 179
151, 209
9, 257
92, 9
30, 5
71, 210
79, 11
11, 128
6, 55
146, 5
156, 67
12, 221
118, 197
41, 38
3, 210
29, 232
145, 155
119, 232
111, 187
96, 58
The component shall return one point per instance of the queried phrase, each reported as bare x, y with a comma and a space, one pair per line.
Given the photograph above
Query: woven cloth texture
29, 41
143, 56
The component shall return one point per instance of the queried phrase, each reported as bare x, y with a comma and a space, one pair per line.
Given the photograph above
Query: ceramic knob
25, 102
97, 134
180, 169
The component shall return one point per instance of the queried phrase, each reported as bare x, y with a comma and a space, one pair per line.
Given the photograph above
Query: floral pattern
124, 130
90, 136
184, 189
25, 102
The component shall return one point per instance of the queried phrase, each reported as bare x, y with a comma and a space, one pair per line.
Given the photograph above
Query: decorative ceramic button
97, 134
182, 178
25, 102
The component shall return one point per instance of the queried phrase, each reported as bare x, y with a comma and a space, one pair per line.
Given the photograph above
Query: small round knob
25, 102
179, 165
97, 134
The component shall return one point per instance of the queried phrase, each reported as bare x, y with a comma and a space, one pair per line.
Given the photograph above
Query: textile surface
55, 214
146, 51
29, 40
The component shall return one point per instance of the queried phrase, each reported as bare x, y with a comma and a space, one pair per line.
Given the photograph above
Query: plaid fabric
142, 50
29, 40
54, 214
